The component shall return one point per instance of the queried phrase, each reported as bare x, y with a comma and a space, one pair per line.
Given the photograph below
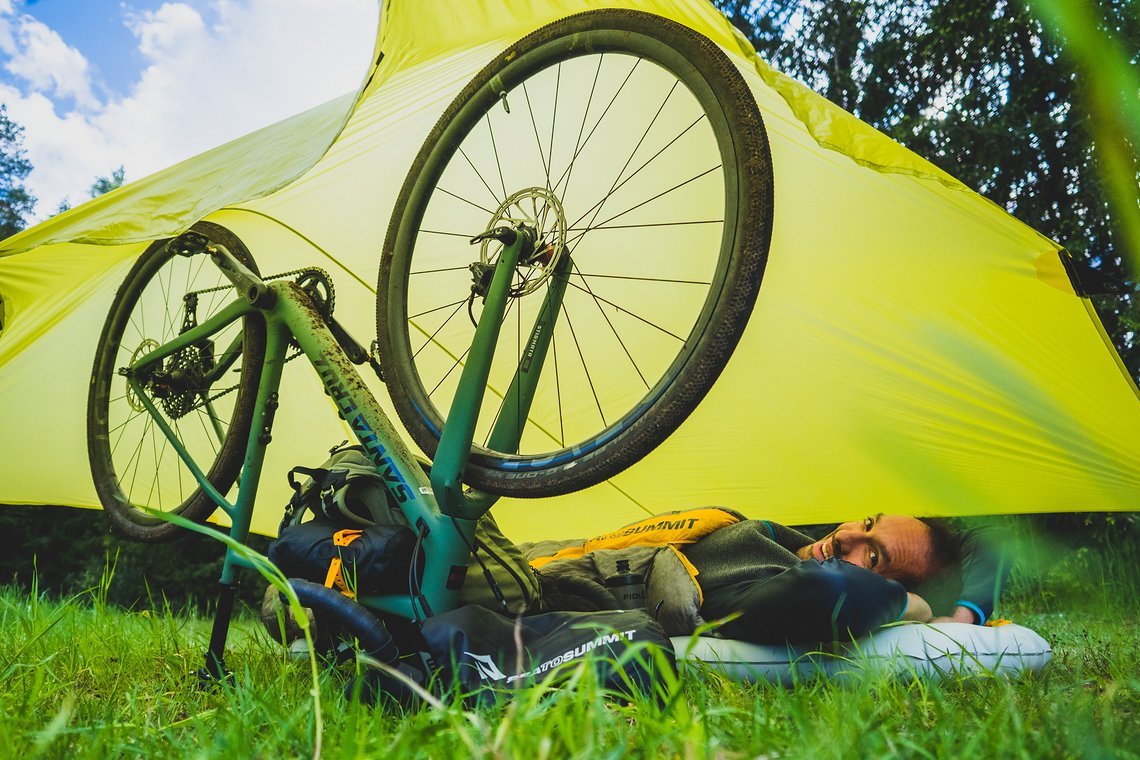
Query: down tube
445, 540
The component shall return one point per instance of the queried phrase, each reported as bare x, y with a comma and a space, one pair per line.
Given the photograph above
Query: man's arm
985, 568
810, 602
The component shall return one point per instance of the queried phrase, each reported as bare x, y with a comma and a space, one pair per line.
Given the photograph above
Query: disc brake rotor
144, 348
540, 209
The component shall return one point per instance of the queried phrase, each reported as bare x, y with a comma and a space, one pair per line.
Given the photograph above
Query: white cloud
46, 63
212, 73
163, 33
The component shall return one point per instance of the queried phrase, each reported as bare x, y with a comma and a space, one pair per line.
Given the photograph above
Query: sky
143, 84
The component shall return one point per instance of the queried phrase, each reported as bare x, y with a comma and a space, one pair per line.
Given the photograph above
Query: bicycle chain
304, 270
325, 309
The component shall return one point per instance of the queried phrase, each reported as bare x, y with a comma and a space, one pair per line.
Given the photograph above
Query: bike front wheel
631, 144
204, 392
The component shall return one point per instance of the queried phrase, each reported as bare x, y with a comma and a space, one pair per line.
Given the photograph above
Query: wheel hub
177, 384
540, 209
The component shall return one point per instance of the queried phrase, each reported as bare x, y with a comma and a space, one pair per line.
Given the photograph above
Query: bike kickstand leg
215, 668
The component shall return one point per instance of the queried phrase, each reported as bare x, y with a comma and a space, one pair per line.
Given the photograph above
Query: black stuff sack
479, 649
371, 559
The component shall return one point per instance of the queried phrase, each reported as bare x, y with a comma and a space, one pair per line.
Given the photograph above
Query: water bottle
628, 588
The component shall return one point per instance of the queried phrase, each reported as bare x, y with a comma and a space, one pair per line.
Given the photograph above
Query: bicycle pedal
189, 244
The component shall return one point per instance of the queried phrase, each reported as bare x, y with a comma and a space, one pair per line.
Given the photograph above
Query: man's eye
867, 523
874, 559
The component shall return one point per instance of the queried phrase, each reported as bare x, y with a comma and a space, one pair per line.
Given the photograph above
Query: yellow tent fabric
913, 349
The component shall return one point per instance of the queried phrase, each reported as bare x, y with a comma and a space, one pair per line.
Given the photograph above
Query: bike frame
438, 509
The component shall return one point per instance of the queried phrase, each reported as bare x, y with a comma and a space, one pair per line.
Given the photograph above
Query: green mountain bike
534, 338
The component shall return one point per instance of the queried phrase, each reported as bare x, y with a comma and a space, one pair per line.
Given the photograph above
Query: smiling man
783, 586
904, 548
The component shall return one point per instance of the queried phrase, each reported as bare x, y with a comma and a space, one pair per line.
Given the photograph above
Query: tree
978, 88
16, 203
103, 185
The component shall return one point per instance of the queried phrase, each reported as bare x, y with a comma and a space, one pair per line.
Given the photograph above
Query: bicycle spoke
125, 422
581, 128
465, 200
465, 236
553, 121
598, 123
137, 455
479, 174
558, 390
637, 278
495, 150
637, 171
598, 302
643, 226
618, 179
122, 428
585, 369
649, 200
211, 307
157, 469
627, 311
447, 374
431, 338
164, 290
207, 433
180, 466
537, 139
460, 302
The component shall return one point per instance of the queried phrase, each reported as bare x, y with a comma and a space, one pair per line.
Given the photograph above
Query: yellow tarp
913, 349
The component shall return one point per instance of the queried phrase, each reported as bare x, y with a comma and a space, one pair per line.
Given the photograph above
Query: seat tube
261, 433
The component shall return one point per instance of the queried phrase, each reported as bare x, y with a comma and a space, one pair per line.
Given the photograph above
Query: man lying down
774, 583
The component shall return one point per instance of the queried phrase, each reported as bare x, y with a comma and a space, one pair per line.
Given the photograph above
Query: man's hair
945, 548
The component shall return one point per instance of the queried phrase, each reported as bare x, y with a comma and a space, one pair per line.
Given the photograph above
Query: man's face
895, 546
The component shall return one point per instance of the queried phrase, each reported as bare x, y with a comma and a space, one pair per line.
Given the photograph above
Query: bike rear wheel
616, 134
205, 393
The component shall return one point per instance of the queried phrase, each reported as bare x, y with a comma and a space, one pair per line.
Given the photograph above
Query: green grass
80, 678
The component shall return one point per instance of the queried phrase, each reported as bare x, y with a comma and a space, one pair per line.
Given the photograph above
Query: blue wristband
973, 608
771, 530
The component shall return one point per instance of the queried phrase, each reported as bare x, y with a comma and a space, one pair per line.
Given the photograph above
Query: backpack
347, 491
372, 559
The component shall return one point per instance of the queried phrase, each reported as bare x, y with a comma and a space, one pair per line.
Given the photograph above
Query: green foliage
106, 184
1109, 89
982, 90
64, 551
15, 201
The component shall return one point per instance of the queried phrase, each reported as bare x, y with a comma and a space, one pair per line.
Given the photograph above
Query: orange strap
335, 577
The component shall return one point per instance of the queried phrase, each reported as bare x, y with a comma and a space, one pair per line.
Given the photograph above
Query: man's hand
917, 609
961, 615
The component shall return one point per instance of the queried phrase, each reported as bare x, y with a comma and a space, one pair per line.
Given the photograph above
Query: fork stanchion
455, 441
